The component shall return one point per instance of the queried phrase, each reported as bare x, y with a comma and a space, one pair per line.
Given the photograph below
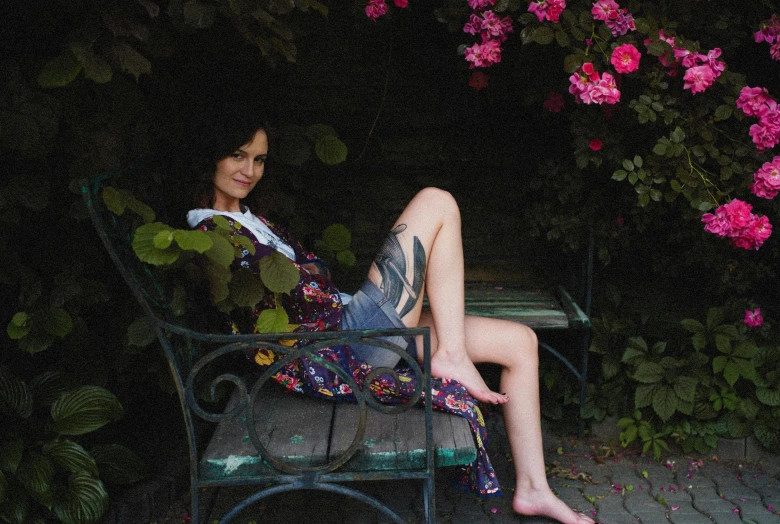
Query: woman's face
237, 173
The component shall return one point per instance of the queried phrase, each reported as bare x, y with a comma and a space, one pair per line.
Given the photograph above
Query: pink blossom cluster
701, 70
770, 33
753, 317
755, 101
619, 21
736, 222
377, 8
480, 4
766, 181
489, 25
625, 58
547, 9
485, 54
589, 87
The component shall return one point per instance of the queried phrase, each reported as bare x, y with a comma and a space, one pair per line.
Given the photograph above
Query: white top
259, 229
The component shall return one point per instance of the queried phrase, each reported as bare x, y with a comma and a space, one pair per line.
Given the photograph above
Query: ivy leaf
685, 388
272, 321
15, 397
84, 500
649, 372
35, 473
59, 71
144, 245
71, 457
246, 290
118, 464
84, 409
330, 150
337, 237
279, 273
664, 402
643, 396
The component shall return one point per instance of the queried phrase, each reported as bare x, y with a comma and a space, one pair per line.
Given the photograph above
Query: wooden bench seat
310, 432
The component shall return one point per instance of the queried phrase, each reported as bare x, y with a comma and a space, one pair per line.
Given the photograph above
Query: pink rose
698, 78
625, 58
401, 3
595, 144
375, 9
479, 4
753, 318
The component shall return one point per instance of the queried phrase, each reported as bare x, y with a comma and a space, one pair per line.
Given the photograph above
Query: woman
422, 254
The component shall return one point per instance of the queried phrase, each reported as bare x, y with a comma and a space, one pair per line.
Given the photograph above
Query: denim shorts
370, 309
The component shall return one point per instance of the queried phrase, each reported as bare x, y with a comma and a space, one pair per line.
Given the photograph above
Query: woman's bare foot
546, 504
464, 371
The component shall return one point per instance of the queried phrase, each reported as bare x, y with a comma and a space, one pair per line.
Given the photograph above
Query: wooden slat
398, 441
289, 425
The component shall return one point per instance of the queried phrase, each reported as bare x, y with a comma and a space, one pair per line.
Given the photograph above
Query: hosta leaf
47, 387
118, 464
16, 508
57, 322
84, 500
11, 452
279, 273
330, 150
272, 321
145, 249
15, 397
337, 237
35, 473
649, 372
71, 457
84, 409
59, 71
246, 290
664, 402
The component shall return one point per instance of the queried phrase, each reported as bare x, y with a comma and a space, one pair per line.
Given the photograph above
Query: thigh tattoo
391, 262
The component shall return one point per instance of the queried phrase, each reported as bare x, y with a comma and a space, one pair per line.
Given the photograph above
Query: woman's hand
314, 268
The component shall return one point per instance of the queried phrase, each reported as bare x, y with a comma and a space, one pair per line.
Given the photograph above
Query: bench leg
429, 498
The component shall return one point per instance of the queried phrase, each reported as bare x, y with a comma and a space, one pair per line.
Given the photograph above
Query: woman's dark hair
218, 133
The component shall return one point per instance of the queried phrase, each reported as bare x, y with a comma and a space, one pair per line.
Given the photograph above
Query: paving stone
725, 518
637, 502
739, 493
758, 513
652, 518
606, 517
688, 518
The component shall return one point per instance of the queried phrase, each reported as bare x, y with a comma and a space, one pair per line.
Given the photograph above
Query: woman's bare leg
424, 254
514, 346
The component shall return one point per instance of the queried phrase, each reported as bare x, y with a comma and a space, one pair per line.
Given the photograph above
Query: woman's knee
440, 199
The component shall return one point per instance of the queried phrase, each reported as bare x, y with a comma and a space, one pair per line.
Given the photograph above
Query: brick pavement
624, 489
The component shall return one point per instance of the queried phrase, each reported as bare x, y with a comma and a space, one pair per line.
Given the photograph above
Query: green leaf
71, 457
84, 500
140, 332
723, 344
562, 38
163, 239
619, 175
15, 398
96, 68
279, 273
694, 326
47, 387
59, 71
114, 200
337, 237
218, 276
11, 452
660, 149
35, 473
20, 325
16, 508
715, 317
699, 341
649, 372
628, 165
643, 199
58, 322
749, 409
719, 363
330, 150
194, 240
272, 321
664, 402
84, 410
221, 251
130, 60
572, 62
246, 289
638, 161
543, 35
643, 396
685, 388
731, 373
346, 258
723, 112
118, 464
745, 350
768, 397
677, 136
144, 245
